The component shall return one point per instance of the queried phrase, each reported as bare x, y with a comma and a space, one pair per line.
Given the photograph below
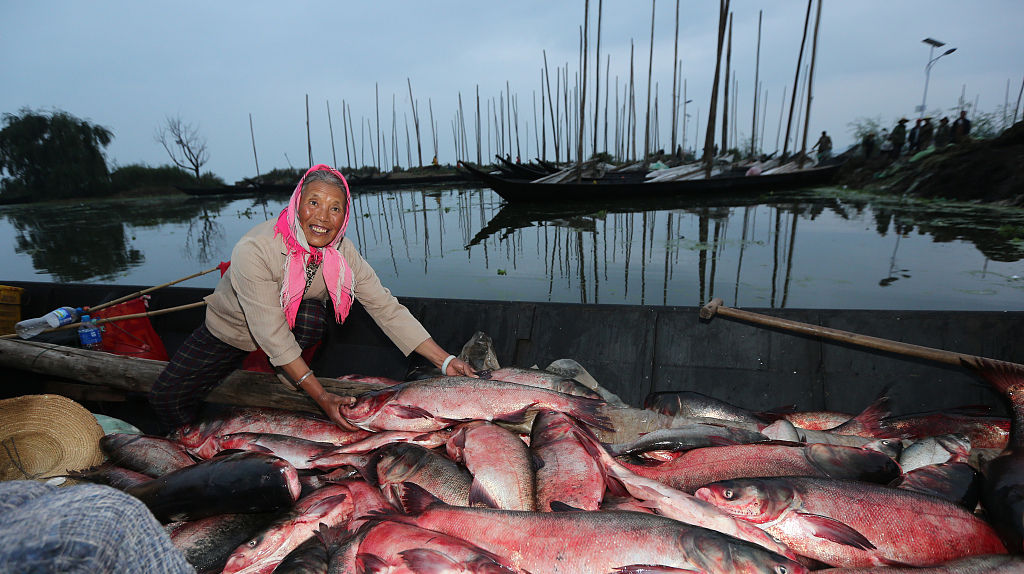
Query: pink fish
853, 524
434, 404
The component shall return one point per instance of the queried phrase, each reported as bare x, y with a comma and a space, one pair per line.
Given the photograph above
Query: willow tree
46, 155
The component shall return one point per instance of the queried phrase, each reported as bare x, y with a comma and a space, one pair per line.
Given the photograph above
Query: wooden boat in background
633, 185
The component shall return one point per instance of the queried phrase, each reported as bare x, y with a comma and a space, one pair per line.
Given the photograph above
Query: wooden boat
630, 350
632, 185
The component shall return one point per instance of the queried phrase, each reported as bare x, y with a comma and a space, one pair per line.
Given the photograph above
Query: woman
273, 298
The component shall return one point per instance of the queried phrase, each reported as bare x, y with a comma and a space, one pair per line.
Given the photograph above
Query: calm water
813, 249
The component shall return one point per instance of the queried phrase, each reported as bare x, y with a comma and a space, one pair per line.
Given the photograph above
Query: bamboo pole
631, 121
255, 157
394, 131
725, 96
433, 126
479, 156
352, 132
709, 138
379, 161
597, 69
415, 122
650, 73
810, 87
330, 125
675, 73
583, 92
796, 81
757, 82
607, 71
408, 141
344, 134
151, 289
119, 318
551, 105
309, 143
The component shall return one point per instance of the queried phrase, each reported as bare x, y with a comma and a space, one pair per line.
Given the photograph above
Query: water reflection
809, 249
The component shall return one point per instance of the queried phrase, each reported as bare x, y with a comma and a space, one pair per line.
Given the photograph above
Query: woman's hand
331, 405
458, 367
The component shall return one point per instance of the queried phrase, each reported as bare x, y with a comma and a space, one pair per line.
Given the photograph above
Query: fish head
366, 406
891, 447
838, 461
252, 556
714, 552
398, 462
191, 435
751, 499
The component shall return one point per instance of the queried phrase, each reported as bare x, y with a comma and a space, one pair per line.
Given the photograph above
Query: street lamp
928, 68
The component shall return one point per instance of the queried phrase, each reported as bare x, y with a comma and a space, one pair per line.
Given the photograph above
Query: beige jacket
245, 308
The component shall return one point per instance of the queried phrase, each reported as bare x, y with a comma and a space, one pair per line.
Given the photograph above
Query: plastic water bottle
89, 334
31, 327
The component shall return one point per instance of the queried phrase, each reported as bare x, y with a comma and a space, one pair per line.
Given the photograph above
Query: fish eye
782, 569
251, 543
728, 494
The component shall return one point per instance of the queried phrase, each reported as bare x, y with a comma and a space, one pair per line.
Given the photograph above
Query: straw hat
46, 435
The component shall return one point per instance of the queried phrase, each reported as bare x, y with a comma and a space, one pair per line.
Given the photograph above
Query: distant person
912, 141
885, 148
925, 135
961, 128
943, 133
824, 146
867, 143
899, 136
274, 298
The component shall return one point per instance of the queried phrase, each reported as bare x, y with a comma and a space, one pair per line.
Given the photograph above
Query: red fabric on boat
130, 337
258, 361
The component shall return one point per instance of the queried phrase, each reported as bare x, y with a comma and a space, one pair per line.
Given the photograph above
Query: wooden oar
149, 290
715, 307
120, 318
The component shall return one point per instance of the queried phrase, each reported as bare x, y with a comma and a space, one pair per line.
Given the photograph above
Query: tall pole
309, 144
709, 138
757, 72
597, 71
376, 101
330, 125
344, 134
675, 72
810, 86
252, 135
796, 81
583, 92
725, 98
650, 70
479, 152
416, 123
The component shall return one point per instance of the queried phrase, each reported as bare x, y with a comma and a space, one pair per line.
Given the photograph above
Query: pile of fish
528, 470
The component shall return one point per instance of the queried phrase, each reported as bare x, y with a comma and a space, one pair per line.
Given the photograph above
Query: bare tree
184, 144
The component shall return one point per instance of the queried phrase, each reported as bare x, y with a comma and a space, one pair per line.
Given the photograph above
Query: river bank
989, 171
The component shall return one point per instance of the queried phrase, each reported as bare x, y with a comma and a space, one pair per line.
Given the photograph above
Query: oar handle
715, 307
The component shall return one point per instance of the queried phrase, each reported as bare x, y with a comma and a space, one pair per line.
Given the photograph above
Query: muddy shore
988, 171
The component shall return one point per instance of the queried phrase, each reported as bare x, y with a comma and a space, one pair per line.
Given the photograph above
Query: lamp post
928, 68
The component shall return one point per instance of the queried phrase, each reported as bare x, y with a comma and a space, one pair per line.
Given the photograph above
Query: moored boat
628, 185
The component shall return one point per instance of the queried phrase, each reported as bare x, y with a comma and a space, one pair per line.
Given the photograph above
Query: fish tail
589, 411
1000, 374
600, 455
416, 499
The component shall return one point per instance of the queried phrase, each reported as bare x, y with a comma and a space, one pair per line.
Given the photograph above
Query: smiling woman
273, 298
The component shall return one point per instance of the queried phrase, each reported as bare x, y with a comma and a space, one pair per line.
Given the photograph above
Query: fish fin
410, 412
478, 496
592, 445
871, 422
722, 441
559, 506
515, 417
836, 531
228, 452
589, 411
326, 504
1000, 374
371, 563
416, 499
426, 561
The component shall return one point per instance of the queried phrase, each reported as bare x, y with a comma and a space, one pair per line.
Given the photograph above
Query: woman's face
321, 212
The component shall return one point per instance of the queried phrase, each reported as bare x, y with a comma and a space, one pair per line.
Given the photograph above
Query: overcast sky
128, 65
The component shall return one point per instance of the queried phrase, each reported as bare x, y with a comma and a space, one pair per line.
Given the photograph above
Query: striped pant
203, 361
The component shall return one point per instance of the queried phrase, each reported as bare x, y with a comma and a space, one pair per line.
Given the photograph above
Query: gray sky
127, 65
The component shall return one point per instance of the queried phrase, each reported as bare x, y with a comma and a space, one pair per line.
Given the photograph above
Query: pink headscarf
337, 274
